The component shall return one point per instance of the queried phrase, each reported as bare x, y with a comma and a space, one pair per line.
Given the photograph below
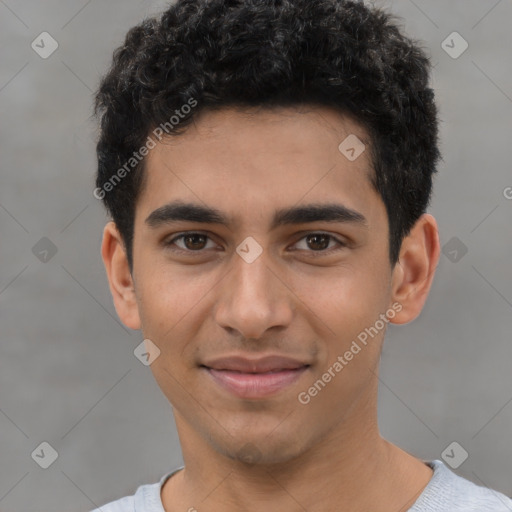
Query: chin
264, 451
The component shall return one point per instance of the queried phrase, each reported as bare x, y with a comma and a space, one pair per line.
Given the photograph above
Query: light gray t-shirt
446, 492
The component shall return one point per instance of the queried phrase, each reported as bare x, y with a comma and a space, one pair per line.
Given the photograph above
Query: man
268, 166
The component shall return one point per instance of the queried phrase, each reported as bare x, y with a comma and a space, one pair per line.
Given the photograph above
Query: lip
264, 364
255, 378
255, 385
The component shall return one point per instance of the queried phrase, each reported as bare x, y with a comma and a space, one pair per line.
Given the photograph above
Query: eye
319, 242
194, 242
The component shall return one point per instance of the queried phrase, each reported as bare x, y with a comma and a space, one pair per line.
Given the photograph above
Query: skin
293, 300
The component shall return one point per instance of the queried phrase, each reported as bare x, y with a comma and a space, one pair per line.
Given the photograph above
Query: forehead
288, 130
256, 160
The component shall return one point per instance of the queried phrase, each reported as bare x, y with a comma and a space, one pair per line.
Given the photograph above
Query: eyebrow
190, 212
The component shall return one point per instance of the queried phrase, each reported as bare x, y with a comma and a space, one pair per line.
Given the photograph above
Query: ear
414, 272
119, 276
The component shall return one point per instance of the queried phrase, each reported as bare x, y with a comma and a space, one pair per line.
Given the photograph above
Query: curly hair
271, 53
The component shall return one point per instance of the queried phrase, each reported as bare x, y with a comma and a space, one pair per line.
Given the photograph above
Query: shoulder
146, 498
450, 492
126, 504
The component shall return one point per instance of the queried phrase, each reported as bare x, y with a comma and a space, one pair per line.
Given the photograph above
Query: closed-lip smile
255, 378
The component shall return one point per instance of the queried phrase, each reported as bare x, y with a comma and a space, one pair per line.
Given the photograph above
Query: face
253, 283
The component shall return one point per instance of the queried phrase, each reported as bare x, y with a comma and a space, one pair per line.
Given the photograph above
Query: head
251, 118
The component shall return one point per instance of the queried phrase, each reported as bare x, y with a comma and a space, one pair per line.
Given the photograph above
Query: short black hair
212, 54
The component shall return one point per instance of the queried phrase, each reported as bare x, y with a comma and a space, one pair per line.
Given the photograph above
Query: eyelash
169, 244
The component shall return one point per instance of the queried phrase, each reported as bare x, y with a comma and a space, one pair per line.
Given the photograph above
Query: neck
351, 465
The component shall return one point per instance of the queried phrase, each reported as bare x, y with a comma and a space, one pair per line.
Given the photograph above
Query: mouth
254, 385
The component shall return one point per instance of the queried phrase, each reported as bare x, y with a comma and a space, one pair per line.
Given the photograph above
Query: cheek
347, 309
352, 348
347, 298
167, 301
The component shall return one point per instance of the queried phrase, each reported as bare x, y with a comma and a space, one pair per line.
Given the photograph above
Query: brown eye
319, 242
192, 242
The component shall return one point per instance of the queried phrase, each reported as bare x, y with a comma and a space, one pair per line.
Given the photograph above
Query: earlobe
119, 276
414, 272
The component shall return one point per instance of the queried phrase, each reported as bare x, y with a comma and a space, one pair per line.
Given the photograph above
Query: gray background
68, 375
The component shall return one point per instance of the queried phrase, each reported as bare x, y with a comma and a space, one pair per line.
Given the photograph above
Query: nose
253, 298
